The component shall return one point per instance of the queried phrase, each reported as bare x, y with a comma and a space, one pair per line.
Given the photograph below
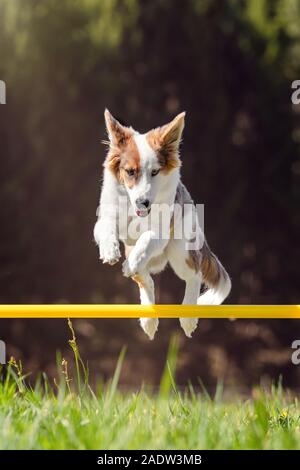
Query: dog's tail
215, 277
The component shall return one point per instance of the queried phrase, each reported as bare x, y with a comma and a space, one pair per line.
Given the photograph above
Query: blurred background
230, 66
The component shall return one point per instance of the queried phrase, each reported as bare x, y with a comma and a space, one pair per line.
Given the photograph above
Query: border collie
142, 175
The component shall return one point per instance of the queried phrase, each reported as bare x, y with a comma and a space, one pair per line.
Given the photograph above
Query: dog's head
143, 163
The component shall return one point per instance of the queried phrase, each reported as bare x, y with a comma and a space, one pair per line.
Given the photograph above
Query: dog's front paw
109, 251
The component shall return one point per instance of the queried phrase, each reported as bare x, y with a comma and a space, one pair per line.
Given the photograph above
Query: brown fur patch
112, 161
194, 260
130, 160
172, 227
211, 268
139, 280
123, 158
165, 142
118, 134
167, 155
207, 262
123, 153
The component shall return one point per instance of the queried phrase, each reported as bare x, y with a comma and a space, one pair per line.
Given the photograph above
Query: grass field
71, 415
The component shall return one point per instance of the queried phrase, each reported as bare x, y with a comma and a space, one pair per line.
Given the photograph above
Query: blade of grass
166, 384
115, 380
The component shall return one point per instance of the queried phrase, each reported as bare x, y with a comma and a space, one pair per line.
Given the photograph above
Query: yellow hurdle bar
161, 311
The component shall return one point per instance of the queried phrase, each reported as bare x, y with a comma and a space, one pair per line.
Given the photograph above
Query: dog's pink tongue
142, 213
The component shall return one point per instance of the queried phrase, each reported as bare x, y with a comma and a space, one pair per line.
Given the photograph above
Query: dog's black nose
142, 203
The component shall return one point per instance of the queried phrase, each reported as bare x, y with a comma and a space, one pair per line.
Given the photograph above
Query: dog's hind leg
180, 262
146, 286
192, 290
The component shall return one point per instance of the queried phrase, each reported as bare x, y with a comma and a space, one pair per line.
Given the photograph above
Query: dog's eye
154, 172
130, 172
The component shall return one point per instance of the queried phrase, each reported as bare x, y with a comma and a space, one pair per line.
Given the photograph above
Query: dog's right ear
118, 134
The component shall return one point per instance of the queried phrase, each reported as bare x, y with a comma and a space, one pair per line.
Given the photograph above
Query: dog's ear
170, 134
117, 133
165, 141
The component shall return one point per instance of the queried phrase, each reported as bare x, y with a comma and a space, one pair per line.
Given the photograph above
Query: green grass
71, 416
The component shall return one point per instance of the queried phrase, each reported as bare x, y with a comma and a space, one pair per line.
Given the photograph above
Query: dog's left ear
170, 134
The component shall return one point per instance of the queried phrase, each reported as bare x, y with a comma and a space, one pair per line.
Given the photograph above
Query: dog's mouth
143, 212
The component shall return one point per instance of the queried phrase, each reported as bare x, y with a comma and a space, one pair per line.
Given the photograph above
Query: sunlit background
230, 66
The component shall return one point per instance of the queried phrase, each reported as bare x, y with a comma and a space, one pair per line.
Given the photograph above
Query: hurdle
157, 310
